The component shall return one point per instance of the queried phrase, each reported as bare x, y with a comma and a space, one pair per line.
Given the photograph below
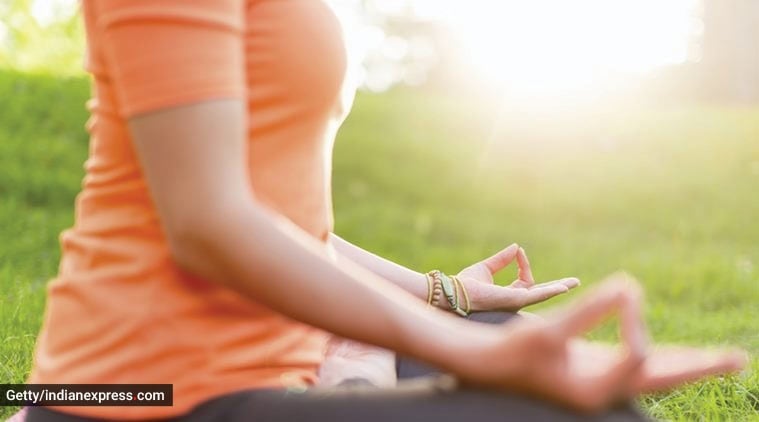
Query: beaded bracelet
438, 284
460, 285
437, 292
449, 289
429, 288
434, 289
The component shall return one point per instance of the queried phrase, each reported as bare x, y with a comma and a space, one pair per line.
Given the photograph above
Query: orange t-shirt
120, 311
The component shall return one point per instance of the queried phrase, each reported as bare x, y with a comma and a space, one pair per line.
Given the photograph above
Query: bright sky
46, 12
568, 44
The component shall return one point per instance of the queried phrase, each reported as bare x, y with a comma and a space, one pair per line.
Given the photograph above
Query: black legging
422, 395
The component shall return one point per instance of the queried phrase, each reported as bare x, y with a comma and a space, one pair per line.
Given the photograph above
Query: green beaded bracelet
450, 290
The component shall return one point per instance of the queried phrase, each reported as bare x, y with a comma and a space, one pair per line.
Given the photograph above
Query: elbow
213, 242
192, 247
185, 252
205, 241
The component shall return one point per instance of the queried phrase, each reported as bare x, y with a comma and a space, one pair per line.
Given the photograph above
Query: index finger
525, 272
591, 310
620, 293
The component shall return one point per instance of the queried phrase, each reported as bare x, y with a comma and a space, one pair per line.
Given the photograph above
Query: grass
670, 194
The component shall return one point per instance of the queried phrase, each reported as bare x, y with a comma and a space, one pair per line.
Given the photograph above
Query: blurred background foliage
44, 36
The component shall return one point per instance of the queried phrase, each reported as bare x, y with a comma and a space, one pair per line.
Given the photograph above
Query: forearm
275, 263
405, 278
218, 231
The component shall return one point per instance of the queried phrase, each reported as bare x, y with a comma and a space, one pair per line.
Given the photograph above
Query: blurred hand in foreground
547, 359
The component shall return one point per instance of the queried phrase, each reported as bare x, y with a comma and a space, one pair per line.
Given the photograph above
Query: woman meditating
202, 254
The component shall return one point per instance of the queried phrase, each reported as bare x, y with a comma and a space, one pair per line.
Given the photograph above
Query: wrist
447, 293
459, 347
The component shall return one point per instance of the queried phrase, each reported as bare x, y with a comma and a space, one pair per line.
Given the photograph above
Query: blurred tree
41, 35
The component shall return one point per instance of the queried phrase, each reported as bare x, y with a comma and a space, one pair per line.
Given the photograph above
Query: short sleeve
163, 53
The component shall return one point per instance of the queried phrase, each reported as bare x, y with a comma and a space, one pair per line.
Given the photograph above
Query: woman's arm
193, 158
477, 278
405, 278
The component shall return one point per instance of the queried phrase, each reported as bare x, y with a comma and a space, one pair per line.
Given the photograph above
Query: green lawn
427, 179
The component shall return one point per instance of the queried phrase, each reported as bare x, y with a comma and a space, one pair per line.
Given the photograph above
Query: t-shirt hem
174, 100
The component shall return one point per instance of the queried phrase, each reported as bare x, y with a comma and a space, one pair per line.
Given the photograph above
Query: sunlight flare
545, 46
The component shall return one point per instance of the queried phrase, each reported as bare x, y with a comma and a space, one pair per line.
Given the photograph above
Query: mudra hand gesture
485, 295
546, 358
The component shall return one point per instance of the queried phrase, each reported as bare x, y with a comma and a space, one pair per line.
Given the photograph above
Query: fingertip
571, 282
512, 251
738, 359
733, 361
626, 280
618, 290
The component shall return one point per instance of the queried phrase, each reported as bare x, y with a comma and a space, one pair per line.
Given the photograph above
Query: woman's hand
545, 358
487, 296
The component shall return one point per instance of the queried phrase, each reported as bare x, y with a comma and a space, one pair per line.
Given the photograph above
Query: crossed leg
421, 394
